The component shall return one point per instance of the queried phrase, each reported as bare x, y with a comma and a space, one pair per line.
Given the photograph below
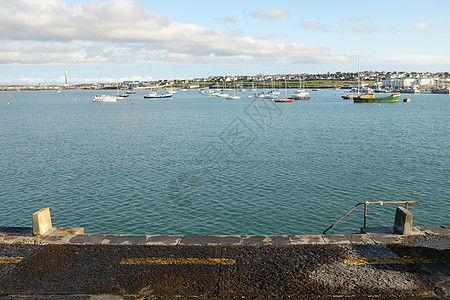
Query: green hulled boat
370, 98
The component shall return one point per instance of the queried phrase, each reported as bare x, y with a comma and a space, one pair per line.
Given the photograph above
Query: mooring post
42, 221
403, 221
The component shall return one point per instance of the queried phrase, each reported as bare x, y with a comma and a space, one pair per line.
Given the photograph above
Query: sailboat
234, 97
301, 94
352, 95
223, 95
370, 98
285, 98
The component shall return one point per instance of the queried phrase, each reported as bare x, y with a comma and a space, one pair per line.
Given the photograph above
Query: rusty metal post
365, 214
406, 205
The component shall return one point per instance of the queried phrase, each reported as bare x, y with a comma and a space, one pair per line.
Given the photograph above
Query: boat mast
358, 79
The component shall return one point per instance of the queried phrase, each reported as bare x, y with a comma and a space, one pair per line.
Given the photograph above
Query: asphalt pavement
68, 265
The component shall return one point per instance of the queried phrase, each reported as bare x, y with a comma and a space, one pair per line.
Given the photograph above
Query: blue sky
114, 40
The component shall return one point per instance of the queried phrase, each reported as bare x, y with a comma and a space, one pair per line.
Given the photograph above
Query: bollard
42, 221
403, 221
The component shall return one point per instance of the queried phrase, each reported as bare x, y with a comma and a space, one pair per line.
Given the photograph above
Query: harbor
250, 150
177, 167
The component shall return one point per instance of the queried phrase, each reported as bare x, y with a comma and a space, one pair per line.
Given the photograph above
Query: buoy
406, 100
132, 103
379, 104
298, 101
256, 105
211, 102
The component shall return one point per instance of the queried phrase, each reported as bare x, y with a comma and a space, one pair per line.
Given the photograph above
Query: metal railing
365, 210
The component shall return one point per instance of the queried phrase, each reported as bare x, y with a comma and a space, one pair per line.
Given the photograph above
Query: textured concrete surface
68, 265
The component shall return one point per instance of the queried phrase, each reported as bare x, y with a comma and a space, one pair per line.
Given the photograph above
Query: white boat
271, 95
301, 95
154, 95
222, 95
210, 92
411, 90
234, 97
259, 95
104, 98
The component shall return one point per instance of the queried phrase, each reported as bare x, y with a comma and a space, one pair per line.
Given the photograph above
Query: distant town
375, 80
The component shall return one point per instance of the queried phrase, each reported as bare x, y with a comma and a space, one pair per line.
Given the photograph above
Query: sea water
196, 164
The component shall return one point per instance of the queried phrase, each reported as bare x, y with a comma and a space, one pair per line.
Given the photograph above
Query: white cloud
271, 14
226, 20
421, 26
51, 31
313, 25
362, 29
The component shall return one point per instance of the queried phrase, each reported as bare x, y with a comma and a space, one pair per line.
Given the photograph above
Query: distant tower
66, 80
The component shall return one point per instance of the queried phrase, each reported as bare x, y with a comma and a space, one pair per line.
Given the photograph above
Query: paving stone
306, 239
229, 240
336, 239
380, 238
127, 239
199, 240
163, 240
88, 238
383, 230
279, 239
255, 239
357, 239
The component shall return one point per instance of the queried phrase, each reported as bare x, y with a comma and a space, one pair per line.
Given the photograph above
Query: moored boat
411, 90
301, 95
155, 95
350, 96
441, 91
104, 98
210, 92
370, 98
284, 100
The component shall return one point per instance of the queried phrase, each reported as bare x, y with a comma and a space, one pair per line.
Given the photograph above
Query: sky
116, 40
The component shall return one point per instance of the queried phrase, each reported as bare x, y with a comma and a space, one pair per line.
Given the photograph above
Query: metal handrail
365, 210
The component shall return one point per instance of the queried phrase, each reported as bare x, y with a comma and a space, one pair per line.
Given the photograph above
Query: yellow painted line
10, 260
360, 261
176, 261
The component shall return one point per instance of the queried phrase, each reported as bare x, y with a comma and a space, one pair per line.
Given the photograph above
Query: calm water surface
205, 165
